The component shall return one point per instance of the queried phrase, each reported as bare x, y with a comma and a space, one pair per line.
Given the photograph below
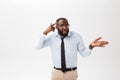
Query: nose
65, 27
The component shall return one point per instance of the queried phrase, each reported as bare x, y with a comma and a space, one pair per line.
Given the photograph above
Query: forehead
62, 22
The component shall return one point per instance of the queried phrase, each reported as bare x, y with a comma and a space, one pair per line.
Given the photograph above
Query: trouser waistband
67, 69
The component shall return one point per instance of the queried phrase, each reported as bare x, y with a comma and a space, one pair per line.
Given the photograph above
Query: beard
61, 33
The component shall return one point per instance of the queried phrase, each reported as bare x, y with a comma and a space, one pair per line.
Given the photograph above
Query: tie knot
62, 37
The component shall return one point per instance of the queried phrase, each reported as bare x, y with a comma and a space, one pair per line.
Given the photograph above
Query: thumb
98, 38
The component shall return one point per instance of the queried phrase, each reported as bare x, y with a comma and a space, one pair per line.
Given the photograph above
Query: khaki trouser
59, 75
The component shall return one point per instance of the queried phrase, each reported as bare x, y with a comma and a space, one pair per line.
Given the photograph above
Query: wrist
45, 32
91, 46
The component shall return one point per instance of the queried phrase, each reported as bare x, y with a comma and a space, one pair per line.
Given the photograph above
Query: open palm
98, 43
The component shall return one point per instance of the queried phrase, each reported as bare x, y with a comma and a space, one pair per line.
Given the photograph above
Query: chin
64, 34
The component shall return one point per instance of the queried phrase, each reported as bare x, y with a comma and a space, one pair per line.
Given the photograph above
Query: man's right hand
49, 29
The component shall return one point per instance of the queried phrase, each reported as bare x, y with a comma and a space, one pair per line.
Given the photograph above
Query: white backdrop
22, 22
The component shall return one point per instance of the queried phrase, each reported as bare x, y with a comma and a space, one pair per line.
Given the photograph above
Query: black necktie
63, 65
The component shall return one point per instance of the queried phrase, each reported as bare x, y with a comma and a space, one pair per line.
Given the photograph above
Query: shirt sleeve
43, 41
82, 49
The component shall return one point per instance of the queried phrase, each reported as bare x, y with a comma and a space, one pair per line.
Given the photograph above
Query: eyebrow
62, 24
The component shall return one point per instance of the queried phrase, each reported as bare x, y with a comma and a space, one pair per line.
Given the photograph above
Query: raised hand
98, 43
49, 29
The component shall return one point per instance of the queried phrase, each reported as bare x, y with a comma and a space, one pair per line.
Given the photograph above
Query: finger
98, 38
53, 24
53, 29
50, 23
102, 46
104, 42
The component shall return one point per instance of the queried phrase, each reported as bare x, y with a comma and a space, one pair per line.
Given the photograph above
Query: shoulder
75, 34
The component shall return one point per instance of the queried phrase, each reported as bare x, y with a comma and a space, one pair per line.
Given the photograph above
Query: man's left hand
97, 43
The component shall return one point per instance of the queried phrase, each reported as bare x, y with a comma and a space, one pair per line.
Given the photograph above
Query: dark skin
63, 28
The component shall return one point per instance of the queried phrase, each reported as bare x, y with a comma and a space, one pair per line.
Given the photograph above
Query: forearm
86, 52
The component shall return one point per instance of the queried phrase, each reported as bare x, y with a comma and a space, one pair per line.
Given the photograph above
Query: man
64, 46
